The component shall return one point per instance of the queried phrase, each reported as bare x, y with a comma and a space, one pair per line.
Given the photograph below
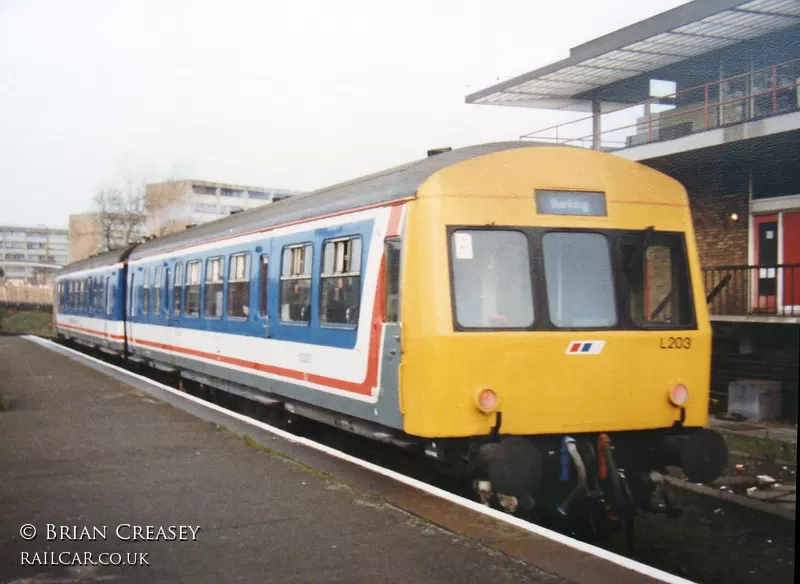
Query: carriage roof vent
436, 151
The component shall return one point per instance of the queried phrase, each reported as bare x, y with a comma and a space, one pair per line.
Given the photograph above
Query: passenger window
239, 286
157, 292
193, 288
177, 288
392, 308
341, 281
213, 305
263, 280
296, 283
146, 292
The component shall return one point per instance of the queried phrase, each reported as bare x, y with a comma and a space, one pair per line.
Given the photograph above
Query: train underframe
602, 480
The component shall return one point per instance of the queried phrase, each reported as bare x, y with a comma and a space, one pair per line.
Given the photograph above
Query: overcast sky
294, 94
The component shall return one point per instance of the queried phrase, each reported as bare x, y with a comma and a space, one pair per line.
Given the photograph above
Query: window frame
535, 268
158, 278
616, 237
247, 280
263, 286
146, 299
177, 288
199, 284
612, 240
220, 282
397, 243
296, 278
325, 275
656, 240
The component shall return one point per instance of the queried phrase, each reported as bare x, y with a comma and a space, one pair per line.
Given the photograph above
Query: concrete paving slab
81, 448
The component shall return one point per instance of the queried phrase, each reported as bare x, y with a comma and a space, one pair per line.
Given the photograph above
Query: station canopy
684, 32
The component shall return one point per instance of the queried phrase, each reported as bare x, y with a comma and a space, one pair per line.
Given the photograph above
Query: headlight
487, 400
679, 395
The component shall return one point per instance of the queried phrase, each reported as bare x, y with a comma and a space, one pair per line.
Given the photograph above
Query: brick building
708, 93
94, 233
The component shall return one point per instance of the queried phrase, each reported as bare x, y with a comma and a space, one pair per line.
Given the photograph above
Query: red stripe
363, 388
91, 331
574, 348
393, 229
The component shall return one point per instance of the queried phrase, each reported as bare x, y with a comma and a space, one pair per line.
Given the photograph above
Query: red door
766, 254
791, 255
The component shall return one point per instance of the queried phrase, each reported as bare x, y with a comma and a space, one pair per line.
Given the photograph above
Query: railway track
705, 544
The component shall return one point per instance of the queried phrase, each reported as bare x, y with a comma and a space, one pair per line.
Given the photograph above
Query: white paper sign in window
463, 244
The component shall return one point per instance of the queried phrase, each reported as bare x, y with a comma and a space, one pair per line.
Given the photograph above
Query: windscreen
492, 279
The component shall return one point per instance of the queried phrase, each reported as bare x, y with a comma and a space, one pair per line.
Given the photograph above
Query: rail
759, 93
764, 290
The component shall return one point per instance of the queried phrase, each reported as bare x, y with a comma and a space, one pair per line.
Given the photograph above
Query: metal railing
753, 95
765, 290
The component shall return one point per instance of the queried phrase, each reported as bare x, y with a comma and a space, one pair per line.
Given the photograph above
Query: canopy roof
687, 31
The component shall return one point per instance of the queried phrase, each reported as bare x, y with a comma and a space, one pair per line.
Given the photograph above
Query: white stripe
589, 549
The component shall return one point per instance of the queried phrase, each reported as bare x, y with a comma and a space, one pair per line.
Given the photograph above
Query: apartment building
173, 205
31, 254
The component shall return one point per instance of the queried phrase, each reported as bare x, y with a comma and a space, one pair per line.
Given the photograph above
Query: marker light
679, 395
487, 400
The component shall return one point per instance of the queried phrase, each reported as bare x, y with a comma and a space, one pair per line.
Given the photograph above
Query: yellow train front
555, 336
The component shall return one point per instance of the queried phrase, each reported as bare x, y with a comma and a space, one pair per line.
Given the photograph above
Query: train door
108, 328
175, 307
131, 311
766, 281
166, 308
261, 286
790, 225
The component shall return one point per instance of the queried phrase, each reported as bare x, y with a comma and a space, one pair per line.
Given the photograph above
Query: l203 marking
585, 347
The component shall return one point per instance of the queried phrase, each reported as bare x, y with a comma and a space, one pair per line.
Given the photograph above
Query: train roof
108, 258
382, 187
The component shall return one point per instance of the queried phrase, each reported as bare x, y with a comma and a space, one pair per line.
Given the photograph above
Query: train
529, 316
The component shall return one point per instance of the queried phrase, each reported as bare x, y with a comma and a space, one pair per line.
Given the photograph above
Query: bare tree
121, 214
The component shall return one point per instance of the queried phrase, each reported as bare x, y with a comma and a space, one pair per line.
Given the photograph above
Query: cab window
491, 279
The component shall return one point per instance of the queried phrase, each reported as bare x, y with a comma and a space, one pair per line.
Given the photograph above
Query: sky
297, 94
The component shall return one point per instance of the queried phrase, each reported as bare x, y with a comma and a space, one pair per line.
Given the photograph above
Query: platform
82, 446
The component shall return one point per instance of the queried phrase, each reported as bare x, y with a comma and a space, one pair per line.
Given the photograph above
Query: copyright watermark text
84, 559
122, 532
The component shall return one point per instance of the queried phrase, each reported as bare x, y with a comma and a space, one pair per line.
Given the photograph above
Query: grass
30, 322
757, 447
